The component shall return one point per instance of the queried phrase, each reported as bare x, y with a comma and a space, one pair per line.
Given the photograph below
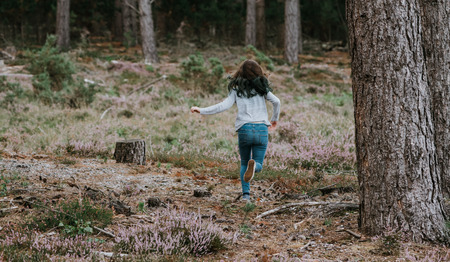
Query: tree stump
130, 151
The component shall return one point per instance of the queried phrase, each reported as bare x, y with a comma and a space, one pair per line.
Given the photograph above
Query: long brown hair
249, 80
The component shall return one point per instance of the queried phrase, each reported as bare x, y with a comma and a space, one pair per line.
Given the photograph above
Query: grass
315, 129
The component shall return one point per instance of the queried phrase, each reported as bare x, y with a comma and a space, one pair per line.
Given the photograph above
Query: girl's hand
273, 126
195, 109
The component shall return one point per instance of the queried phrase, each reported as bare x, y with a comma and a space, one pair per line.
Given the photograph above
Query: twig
17, 75
302, 204
146, 85
132, 7
104, 232
104, 113
350, 232
271, 186
145, 218
321, 188
7, 210
109, 254
305, 246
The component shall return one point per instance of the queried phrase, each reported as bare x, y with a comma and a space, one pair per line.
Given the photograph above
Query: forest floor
315, 233
319, 221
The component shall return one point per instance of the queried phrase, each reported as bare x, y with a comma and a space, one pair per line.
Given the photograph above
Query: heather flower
173, 232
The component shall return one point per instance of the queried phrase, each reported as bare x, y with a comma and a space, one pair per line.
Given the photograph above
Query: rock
93, 194
120, 207
155, 202
202, 193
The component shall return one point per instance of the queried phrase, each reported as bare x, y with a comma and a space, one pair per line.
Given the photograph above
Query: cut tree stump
130, 151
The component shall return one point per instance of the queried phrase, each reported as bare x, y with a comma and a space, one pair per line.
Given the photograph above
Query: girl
249, 89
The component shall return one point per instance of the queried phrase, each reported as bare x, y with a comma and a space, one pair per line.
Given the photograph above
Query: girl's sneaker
250, 171
246, 197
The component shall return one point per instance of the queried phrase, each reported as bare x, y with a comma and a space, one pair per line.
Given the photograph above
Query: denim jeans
253, 140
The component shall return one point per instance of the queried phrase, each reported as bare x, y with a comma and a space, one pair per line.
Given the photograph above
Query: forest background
63, 109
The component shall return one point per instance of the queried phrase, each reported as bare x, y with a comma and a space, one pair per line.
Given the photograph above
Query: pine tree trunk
135, 21
436, 39
291, 31
128, 35
130, 151
62, 24
118, 25
160, 22
250, 28
260, 25
147, 33
398, 178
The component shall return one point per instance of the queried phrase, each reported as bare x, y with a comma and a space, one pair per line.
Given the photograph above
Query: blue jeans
253, 140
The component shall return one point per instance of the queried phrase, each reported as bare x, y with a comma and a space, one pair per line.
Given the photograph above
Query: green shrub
12, 92
199, 74
73, 217
260, 57
193, 66
56, 67
53, 82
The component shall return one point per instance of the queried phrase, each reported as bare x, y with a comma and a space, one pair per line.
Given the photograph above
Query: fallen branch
109, 254
146, 85
350, 232
321, 188
142, 217
305, 246
17, 75
104, 232
307, 204
7, 210
104, 113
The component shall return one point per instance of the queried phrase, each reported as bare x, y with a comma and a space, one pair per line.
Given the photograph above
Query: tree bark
127, 16
118, 21
291, 31
250, 26
130, 151
436, 39
135, 20
398, 178
62, 24
260, 25
147, 32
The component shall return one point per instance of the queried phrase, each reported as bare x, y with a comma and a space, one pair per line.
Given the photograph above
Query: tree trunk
291, 31
135, 21
128, 34
62, 24
250, 27
260, 25
300, 34
130, 151
161, 19
436, 39
398, 178
147, 33
118, 25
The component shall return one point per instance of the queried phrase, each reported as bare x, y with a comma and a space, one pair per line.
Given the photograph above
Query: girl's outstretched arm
217, 108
